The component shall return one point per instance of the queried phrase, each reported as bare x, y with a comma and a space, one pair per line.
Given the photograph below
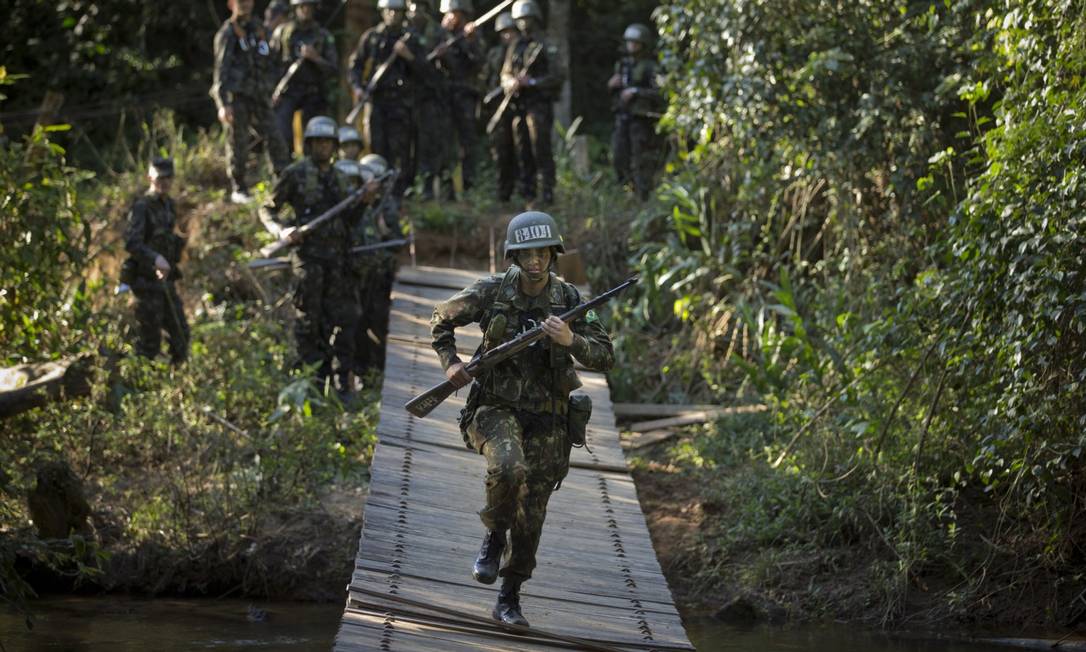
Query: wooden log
30, 386
691, 418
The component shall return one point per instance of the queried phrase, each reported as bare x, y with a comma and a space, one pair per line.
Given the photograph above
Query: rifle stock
425, 403
268, 251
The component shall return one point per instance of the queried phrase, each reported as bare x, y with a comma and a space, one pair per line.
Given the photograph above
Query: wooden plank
693, 418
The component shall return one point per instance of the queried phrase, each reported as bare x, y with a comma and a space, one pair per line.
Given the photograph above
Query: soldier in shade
154, 251
460, 58
302, 40
637, 105
516, 414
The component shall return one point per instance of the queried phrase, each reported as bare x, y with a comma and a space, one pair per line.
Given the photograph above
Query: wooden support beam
691, 418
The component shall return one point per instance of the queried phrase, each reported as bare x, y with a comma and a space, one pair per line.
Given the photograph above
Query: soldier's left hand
310, 52
628, 94
469, 30
558, 330
403, 51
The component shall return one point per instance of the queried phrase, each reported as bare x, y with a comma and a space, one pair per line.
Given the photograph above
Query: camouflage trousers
327, 314
512, 169
372, 276
532, 127
634, 149
462, 104
311, 103
389, 131
159, 308
432, 147
527, 455
253, 115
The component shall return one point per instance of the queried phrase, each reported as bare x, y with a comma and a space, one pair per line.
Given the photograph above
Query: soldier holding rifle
307, 53
327, 310
519, 412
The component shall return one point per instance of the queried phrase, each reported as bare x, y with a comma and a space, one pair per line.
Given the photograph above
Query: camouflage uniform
390, 125
460, 65
634, 142
308, 89
158, 307
433, 124
327, 310
243, 82
519, 420
533, 107
502, 147
372, 276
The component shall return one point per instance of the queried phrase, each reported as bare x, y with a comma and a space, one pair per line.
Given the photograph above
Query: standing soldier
303, 87
502, 148
350, 143
460, 58
532, 75
151, 268
380, 272
516, 414
275, 15
242, 85
636, 106
326, 313
390, 126
432, 120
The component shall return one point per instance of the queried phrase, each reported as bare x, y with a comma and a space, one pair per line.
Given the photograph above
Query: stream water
86, 624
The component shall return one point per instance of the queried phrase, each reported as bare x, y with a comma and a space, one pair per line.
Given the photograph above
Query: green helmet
532, 229
395, 5
526, 9
348, 167
348, 134
503, 22
320, 127
638, 32
376, 163
456, 5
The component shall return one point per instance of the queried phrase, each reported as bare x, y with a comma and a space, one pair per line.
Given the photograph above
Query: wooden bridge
597, 586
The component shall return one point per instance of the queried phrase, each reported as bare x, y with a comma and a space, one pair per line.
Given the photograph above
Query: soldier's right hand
615, 82
357, 93
162, 267
226, 115
458, 375
291, 235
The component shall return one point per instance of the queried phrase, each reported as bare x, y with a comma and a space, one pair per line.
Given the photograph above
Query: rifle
378, 74
496, 119
424, 403
284, 82
270, 250
485, 18
388, 244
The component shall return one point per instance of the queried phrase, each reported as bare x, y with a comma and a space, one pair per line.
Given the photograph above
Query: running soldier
460, 58
154, 251
636, 104
303, 87
241, 88
531, 73
516, 414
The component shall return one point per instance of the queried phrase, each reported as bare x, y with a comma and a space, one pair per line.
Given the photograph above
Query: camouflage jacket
545, 71
243, 65
638, 73
540, 377
149, 234
491, 73
461, 63
374, 48
312, 77
309, 192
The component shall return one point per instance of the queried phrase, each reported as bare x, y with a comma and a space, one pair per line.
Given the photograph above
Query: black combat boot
508, 608
486, 564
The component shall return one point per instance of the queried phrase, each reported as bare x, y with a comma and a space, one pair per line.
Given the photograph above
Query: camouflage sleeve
271, 212
356, 63
591, 343
463, 308
547, 70
135, 234
329, 56
223, 61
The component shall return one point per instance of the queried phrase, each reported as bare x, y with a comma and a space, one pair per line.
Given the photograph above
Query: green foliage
874, 226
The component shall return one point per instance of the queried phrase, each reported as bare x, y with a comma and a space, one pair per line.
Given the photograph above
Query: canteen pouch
580, 411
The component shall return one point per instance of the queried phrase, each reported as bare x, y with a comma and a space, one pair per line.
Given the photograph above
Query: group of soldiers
417, 82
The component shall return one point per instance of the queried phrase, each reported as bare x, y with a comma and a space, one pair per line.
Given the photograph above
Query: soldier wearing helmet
154, 251
390, 125
243, 78
637, 104
459, 57
303, 39
433, 121
327, 310
502, 144
350, 142
532, 73
516, 414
